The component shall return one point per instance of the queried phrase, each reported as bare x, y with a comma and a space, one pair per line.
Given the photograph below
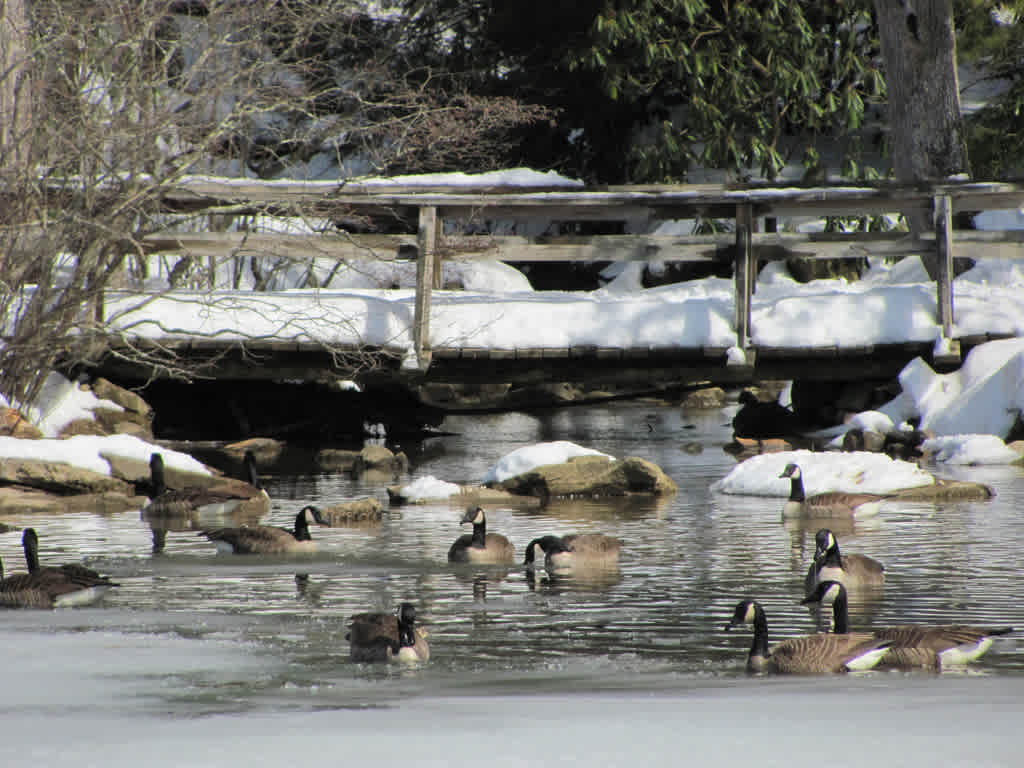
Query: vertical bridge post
947, 350
425, 278
744, 276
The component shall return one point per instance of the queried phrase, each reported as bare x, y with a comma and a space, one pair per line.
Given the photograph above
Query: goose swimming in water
67, 585
809, 654
825, 505
913, 645
222, 497
851, 570
387, 637
268, 539
576, 550
480, 546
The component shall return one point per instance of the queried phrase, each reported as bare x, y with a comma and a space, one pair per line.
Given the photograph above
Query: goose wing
258, 538
373, 636
938, 638
839, 499
501, 547
25, 590
597, 544
824, 653
863, 568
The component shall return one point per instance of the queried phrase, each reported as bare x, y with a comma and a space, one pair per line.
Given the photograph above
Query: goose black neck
156, 475
832, 558
550, 544
529, 550
796, 488
406, 634
480, 534
760, 645
302, 527
250, 468
840, 614
31, 545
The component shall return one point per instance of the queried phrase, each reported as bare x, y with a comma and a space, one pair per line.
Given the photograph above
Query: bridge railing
425, 211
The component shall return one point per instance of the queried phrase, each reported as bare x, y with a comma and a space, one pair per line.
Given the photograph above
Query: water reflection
685, 562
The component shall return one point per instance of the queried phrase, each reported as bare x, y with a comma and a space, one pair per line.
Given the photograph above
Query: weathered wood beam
948, 350
298, 247
692, 248
427, 241
745, 269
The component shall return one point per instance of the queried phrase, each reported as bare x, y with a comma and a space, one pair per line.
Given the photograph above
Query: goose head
791, 471
824, 544
474, 515
312, 514
745, 613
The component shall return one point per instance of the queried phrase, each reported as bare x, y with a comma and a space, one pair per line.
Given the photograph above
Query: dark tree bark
14, 108
927, 139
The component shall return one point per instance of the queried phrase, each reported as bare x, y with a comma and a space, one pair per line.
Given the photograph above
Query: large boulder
366, 510
377, 458
132, 403
58, 477
19, 499
591, 476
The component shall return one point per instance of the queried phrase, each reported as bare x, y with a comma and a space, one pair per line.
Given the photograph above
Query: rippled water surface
253, 634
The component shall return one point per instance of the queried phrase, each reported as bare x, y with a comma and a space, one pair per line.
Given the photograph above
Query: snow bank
524, 459
985, 396
427, 488
859, 472
84, 451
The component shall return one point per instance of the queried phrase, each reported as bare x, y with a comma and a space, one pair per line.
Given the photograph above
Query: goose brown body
574, 551
224, 496
809, 654
480, 546
268, 539
64, 585
914, 645
825, 505
375, 637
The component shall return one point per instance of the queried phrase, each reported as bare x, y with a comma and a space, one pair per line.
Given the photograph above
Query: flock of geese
829, 578
395, 637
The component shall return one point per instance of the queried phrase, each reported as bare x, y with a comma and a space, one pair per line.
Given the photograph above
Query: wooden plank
885, 194
690, 248
426, 240
298, 246
744, 267
554, 353
944, 277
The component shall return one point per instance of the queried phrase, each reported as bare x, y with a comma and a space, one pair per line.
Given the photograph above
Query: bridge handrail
935, 202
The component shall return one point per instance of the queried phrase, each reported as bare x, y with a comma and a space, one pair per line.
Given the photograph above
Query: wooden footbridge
431, 224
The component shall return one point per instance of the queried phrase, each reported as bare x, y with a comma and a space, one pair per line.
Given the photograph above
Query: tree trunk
927, 140
14, 95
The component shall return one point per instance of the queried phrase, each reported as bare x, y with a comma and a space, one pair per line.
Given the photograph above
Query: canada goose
809, 654
387, 637
268, 539
576, 550
850, 570
58, 586
480, 546
222, 497
913, 645
824, 505
757, 420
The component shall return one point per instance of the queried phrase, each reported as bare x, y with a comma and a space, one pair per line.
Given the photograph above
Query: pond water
633, 665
